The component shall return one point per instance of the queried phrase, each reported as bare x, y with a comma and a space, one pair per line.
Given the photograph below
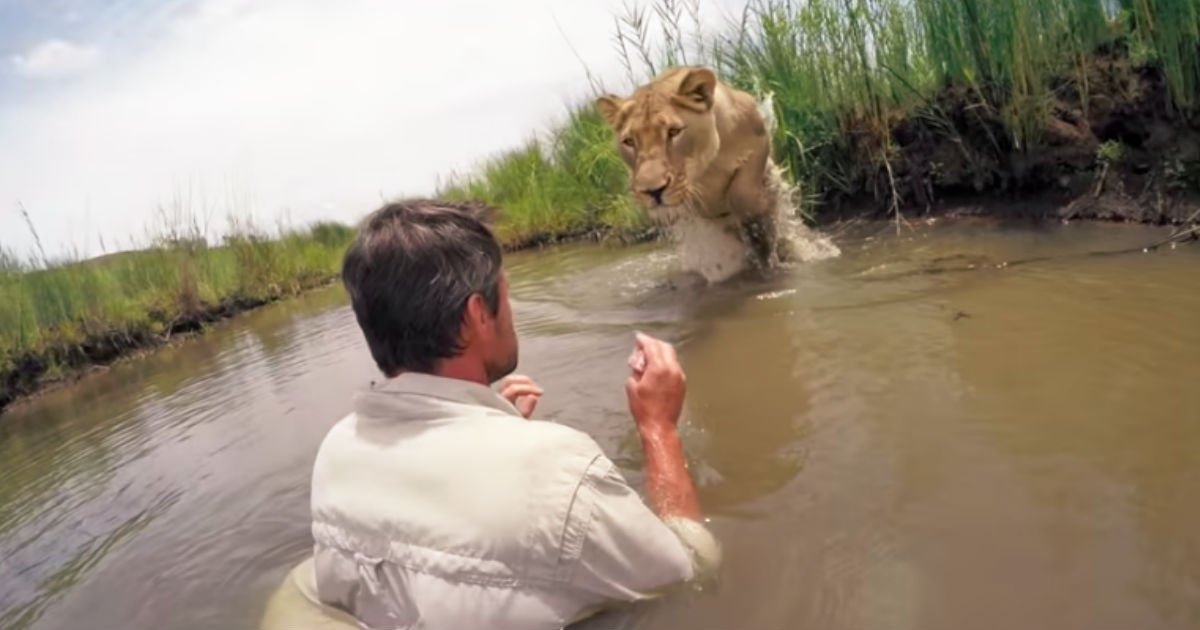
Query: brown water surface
902, 437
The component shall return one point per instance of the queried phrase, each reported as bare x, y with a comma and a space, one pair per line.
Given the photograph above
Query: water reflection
141, 453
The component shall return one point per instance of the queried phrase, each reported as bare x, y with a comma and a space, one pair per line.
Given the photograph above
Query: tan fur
708, 144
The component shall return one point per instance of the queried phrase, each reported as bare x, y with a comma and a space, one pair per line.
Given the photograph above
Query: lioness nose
657, 193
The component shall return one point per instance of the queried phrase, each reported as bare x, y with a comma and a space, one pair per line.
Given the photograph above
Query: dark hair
410, 271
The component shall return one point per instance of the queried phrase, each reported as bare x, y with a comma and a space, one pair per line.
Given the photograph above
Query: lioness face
667, 136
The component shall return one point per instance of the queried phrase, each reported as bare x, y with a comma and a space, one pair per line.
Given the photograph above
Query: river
907, 436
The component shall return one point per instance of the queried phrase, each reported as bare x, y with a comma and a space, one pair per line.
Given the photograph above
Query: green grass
60, 314
841, 73
572, 183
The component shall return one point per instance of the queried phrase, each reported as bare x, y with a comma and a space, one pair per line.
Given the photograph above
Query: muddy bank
1110, 145
62, 364
1116, 205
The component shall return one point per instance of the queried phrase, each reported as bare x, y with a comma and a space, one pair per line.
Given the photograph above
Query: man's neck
462, 369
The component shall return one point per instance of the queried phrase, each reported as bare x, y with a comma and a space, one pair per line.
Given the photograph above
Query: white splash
808, 245
774, 295
717, 254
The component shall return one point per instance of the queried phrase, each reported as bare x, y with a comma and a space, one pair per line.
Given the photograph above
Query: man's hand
522, 392
656, 389
657, 386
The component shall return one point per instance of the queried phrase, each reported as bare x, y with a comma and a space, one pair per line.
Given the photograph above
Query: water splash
718, 254
807, 244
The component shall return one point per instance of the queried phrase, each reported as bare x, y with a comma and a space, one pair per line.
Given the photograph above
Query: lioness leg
754, 206
760, 234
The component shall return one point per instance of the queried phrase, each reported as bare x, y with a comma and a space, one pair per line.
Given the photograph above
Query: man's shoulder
560, 433
487, 431
556, 444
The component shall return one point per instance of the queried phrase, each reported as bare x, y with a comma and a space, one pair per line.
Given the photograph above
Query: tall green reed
840, 74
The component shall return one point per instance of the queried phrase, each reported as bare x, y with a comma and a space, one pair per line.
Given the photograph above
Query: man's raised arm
656, 390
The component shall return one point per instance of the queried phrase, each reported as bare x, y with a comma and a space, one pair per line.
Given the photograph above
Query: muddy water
901, 437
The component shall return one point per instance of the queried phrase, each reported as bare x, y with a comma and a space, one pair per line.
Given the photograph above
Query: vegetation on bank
59, 316
901, 102
563, 186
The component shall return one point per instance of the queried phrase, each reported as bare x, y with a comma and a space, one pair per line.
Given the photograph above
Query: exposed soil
957, 148
37, 372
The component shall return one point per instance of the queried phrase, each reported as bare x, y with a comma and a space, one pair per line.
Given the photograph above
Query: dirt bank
1110, 146
36, 372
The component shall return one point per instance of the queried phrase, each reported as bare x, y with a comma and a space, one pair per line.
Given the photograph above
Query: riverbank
61, 322
902, 107
61, 319
1121, 151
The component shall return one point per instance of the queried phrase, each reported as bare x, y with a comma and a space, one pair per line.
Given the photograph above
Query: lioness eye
674, 131
628, 142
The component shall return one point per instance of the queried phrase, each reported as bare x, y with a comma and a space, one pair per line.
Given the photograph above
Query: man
436, 503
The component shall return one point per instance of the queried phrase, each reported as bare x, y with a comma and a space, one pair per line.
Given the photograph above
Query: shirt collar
384, 397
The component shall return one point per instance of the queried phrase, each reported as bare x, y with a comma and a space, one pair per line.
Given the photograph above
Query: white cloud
311, 106
55, 58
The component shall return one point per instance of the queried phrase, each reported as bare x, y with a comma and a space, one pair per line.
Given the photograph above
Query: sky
116, 115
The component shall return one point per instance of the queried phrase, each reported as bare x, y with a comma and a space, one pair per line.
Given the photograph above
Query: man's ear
696, 90
610, 108
476, 317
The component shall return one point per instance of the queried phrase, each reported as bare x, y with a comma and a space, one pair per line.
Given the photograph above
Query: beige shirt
436, 505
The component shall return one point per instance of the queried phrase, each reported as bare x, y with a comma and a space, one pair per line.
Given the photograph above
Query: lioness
700, 149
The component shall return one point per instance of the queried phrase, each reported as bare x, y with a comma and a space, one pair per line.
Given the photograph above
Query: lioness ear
610, 109
696, 89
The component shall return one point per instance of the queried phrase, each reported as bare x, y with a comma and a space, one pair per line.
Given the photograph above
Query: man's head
427, 288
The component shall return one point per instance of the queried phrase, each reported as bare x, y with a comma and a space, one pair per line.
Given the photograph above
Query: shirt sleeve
626, 551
